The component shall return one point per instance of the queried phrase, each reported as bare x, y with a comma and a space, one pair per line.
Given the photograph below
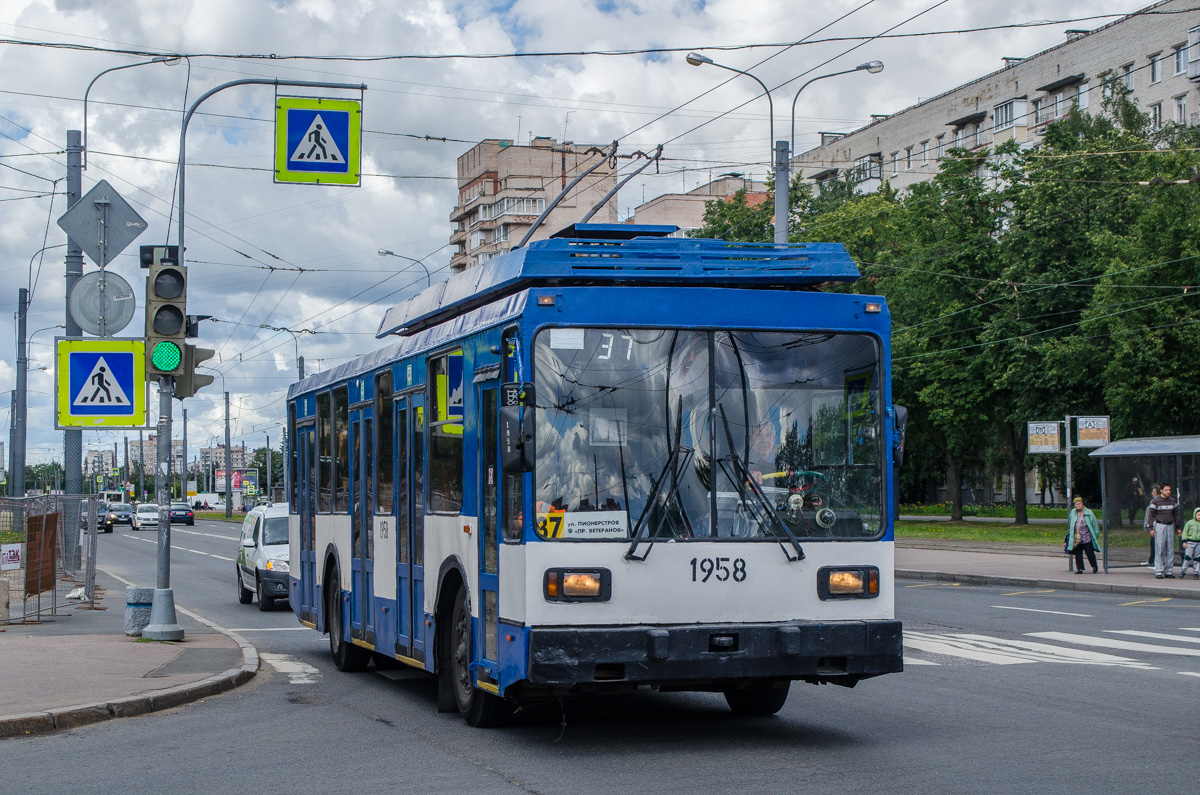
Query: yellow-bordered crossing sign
100, 383
318, 141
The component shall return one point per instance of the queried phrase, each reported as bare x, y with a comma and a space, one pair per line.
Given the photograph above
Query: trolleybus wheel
480, 709
757, 698
245, 595
346, 656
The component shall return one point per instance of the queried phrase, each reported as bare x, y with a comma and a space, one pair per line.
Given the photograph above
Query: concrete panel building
503, 188
1155, 52
686, 210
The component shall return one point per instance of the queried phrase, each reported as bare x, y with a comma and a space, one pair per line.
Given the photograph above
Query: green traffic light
166, 356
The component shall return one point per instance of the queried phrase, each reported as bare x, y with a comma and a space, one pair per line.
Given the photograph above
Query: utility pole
270, 494
141, 468
19, 414
184, 477
164, 624
12, 443
73, 439
228, 465
125, 479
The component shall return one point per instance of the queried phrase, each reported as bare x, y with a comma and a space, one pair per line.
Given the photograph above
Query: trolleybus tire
480, 709
346, 656
245, 595
265, 603
758, 698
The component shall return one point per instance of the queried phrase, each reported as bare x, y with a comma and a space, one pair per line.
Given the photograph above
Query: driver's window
247, 525
257, 526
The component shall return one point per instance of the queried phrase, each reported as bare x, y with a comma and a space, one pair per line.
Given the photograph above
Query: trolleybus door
410, 512
362, 511
489, 536
306, 496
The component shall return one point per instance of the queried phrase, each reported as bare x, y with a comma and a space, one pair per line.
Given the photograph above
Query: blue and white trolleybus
608, 460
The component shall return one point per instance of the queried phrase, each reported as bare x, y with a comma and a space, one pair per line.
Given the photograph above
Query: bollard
138, 601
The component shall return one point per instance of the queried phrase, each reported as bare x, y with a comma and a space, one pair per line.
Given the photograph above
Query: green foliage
1025, 284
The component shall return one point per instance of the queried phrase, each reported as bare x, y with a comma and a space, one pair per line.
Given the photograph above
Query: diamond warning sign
100, 383
318, 140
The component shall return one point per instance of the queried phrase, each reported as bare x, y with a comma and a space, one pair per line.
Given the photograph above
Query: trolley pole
163, 623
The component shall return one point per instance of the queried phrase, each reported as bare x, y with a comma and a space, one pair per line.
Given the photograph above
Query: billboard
242, 478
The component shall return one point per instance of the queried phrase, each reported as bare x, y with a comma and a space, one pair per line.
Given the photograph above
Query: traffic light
153, 255
166, 316
189, 382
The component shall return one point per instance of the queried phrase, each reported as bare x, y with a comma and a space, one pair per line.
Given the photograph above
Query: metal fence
47, 556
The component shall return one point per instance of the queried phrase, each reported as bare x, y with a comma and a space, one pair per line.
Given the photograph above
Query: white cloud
240, 224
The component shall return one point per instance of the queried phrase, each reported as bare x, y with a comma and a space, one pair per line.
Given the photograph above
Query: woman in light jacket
1084, 534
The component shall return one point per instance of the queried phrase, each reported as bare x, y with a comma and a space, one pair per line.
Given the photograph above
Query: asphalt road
1003, 691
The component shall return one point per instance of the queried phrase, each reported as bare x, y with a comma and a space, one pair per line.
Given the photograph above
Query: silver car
145, 515
262, 558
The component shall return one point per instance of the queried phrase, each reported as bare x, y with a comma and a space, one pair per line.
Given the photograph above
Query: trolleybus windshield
634, 430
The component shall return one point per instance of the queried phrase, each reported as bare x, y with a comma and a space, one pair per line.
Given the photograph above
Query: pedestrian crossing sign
318, 141
100, 383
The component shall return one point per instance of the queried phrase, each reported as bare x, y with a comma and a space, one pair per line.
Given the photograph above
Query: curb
1061, 585
84, 714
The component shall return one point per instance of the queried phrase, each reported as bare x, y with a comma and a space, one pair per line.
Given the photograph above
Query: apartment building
503, 188
147, 451
215, 456
1155, 52
99, 462
686, 210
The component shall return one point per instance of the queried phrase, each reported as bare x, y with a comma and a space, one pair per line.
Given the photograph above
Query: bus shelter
1129, 468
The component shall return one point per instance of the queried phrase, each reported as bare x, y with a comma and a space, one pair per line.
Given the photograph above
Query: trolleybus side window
446, 433
384, 427
341, 464
324, 454
293, 458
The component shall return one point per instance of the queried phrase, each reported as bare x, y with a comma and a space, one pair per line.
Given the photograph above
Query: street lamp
295, 339
871, 67
383, 252
169, 60
781, 152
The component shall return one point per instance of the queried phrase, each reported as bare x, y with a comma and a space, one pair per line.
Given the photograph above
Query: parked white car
262, 557
145, 515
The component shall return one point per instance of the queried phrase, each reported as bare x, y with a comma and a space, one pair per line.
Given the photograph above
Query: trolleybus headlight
850, 582
577, 585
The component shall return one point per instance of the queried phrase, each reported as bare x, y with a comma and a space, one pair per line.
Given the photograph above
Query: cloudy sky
305, 257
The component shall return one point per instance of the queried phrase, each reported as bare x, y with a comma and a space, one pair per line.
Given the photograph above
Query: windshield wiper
764, 506
669, 469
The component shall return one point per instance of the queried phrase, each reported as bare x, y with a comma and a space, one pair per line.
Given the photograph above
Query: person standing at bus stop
1163, 518
1085, 534
1154, 494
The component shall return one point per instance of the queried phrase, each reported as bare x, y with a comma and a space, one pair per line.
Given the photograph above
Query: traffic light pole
163, 622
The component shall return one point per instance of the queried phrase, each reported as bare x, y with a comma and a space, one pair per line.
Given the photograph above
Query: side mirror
248, 543
900, 425
516, 428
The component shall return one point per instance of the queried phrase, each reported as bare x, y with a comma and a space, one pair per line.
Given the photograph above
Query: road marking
1032, 610
1114, 643
914, 661
175, 529
183, 549
1145, 602
1187, 673
1025, 593
273, 629
1156, 635
1190, 629
1011, 652
298, 673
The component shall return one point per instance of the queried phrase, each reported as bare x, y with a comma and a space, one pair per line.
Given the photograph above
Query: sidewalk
1030, 566
81, 668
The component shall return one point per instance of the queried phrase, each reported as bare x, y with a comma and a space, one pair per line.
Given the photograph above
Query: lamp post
383, 252
169, 60
781, 153
295, 339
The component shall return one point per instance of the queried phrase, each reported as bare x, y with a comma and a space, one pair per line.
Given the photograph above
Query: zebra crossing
1122, 648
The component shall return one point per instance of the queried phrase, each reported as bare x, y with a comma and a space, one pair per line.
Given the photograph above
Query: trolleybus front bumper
840, 652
